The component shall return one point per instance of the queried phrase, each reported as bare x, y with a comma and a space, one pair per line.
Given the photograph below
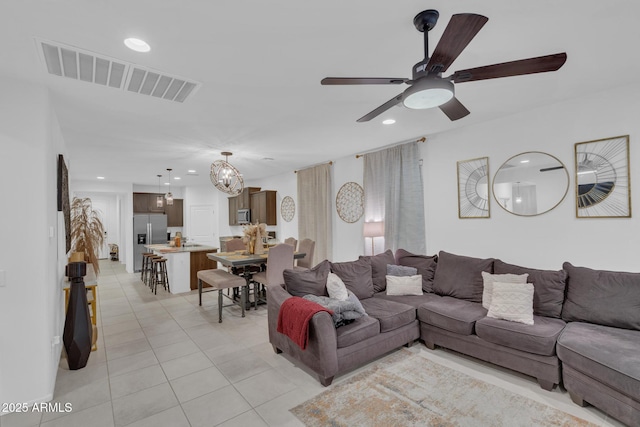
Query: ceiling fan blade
454, 109
381, 109
462, 28
363, 80
541, 64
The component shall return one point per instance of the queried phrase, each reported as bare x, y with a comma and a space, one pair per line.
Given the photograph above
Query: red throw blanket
294, 316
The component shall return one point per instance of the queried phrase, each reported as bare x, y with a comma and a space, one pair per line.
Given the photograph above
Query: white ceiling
260, 64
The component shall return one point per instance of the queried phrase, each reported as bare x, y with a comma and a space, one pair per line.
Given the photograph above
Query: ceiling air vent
68, 61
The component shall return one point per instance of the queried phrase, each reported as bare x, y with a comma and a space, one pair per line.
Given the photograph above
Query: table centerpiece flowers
253, 234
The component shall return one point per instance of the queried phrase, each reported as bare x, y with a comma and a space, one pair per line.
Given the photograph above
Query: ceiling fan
427, 88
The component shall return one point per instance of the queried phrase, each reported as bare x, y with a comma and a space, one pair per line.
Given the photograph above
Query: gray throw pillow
461, 276
356, 276
425, 264
548, 287
401, 270
308, 282
610, 298
379, 269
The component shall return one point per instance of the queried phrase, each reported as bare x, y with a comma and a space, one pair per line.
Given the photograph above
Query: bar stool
147, 273
160, 276
145, 265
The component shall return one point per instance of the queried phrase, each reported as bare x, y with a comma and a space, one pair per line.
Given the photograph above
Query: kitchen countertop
166, 249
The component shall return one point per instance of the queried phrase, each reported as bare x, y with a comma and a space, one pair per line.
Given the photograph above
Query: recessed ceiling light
524, 161
137, 45
191, 171
166, 183
100, 177
388, 122
176, 177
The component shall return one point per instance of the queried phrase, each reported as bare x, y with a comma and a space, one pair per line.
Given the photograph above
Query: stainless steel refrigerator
147, 230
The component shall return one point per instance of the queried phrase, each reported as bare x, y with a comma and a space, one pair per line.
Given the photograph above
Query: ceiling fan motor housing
420, 69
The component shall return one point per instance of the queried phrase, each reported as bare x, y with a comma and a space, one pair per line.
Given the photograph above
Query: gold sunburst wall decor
350, 202
225, 177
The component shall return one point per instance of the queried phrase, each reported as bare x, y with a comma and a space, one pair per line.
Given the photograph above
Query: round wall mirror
530, 183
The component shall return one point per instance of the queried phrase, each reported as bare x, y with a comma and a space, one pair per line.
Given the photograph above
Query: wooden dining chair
280, 258
292, 241
307, 246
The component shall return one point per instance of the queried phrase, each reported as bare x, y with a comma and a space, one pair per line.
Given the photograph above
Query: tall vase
77, 325
252, 245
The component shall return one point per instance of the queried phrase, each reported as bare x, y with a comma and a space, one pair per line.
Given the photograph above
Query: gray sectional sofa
585, 332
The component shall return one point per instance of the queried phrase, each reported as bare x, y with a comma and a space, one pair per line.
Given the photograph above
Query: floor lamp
373, 230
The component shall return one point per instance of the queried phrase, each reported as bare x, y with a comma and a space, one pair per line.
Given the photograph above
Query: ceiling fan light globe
428, 93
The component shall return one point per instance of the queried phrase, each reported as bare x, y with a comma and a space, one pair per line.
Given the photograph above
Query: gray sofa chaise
589, 341
600, 347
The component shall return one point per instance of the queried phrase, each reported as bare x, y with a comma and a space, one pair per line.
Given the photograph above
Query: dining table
242, 258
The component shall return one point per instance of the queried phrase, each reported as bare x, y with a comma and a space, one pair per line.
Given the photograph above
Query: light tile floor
164, 361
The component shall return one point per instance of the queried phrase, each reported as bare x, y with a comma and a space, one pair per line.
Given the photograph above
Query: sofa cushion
404, 285
609, 298
379, 268
402, 271
356, 276
390, 314
512, 302
307, 282
358, 330
489, 279
539, 338
426, 266
548, 285
460, 276
452, 314
608, 355
412, 300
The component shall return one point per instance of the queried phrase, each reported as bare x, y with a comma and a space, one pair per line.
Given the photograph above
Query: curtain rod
423, 139
330, 162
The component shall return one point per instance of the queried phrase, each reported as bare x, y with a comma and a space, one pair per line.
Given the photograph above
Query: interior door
202, 225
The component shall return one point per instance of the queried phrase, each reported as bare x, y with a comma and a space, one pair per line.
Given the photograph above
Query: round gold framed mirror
530, 183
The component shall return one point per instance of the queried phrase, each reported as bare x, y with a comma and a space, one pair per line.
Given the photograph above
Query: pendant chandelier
225, 177
159, 201
169, 196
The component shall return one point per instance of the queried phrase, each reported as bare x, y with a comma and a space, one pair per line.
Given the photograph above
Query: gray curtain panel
315, 210
393, 193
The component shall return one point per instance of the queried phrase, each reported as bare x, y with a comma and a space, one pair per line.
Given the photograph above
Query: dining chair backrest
235, 245
307, 246
292, 241
280, 258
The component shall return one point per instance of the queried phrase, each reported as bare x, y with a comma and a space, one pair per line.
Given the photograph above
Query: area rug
407, 389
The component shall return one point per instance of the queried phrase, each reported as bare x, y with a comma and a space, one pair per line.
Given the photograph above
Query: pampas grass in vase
87, 231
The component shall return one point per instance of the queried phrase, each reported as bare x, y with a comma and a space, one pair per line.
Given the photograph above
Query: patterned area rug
407, 389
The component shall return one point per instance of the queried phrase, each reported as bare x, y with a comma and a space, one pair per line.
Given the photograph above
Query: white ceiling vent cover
72, 62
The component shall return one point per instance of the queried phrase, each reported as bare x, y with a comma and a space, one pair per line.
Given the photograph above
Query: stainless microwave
244, 216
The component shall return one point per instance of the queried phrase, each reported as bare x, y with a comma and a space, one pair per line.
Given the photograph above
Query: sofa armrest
321, 352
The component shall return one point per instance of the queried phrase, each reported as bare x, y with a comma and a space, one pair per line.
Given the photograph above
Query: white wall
544, 241
31, 302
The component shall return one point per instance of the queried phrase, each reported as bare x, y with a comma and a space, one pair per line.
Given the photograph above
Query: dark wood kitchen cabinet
175, 215
233, 210
147, 203
263, 207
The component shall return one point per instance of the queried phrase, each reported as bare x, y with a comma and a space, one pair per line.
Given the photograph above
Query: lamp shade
373, 229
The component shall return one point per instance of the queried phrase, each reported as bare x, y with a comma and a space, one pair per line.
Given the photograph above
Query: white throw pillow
512, 301
404, 285
336, 287
489, 279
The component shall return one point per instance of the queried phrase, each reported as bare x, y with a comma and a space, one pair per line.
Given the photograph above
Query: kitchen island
183, 264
